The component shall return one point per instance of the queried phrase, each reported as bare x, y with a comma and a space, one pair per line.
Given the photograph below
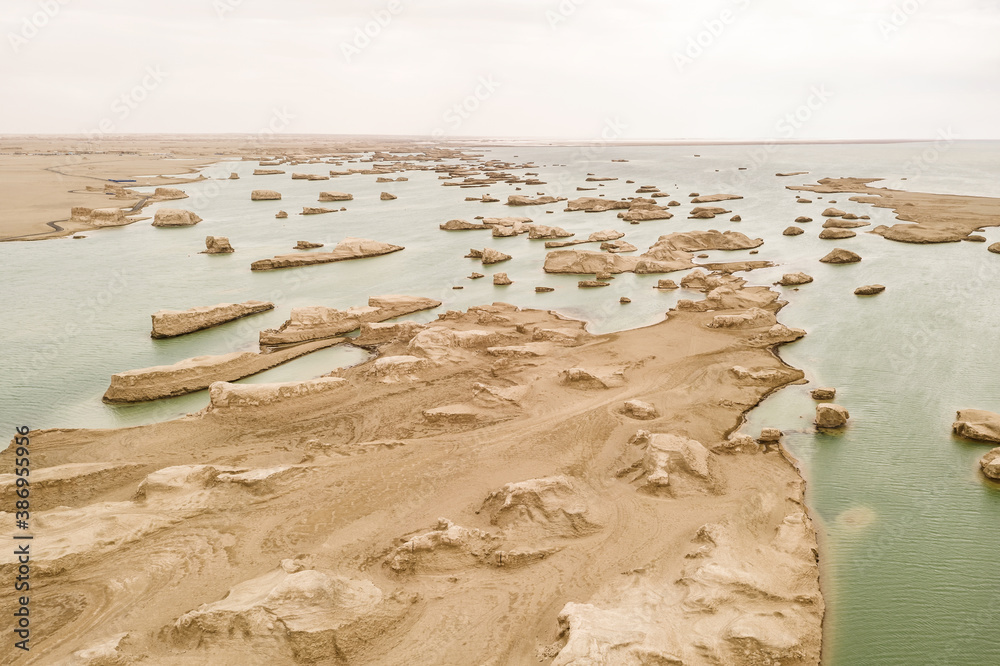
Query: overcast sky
621, 69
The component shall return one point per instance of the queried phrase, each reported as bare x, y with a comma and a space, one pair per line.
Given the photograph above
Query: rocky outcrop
829, 415
695, 241
869, 290
595, 237
990, 464
317, 323
995, 248
823, 393
977, 424
802, 219
488, 256
841, 256
588, 261
596, 204
461, 225
99, 217
306, 245
833, 212
666, 284
312, 210
175, 217
501, 279
281, 215
349, 248
709, 198
519, 200
198, 373
335, 196
217, 245
267, 172
793, 279
265, 195
171, 323
540, 231
224, 395
645, 214
618, 246
585, 284
168, 194
752, 318
836, 234
638, 409
385, 196
793, 231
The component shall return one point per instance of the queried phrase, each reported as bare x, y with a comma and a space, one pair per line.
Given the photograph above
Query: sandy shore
481, 492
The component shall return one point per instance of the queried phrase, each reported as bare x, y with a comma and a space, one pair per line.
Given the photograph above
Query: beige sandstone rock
171, 323
596, 204
217, 245
836, 234
583, 284
501, 279
265, 195
281, 215
168, 193
306, 245
977, 424
770, 435
833, 212
317, 323
99, 217
802, 219
995, 248
175, 217
793, 279
840, 256
638, 409
709, 198
666, 284
349, 248
519, 200
461, 225
385, 196
990, 464
869, 290
267, 172
829, 415
335, 196
824, 393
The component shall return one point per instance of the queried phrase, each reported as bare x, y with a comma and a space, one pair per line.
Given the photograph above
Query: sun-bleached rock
793, 279
829, 415
550, 506
349, 248
265, 195
618, 246
709, 198
694, 241
168, 194
217, 245
596, 204
448, 546
461, 225
171, 323
225, 395
318, 322
823, 393
990, 464
335, 196
501, 279
377, 333
793, 231
520, 200
198, 373
540, 231
638, 409
841, 256
977, 424
589, 378
666, 454
752, 318
302, 615
836, 234
770, 435
99, 217
869, 290
175, 217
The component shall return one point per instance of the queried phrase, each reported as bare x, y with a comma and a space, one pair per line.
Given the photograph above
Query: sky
561, 69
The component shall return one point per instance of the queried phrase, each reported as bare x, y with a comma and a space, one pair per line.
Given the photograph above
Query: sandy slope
461, 499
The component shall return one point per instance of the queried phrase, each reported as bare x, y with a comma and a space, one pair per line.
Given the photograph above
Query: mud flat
349, 248
926, 218
198, 373
483, 491
171, 323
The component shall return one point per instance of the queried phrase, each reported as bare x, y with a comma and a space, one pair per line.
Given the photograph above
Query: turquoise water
910, 567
